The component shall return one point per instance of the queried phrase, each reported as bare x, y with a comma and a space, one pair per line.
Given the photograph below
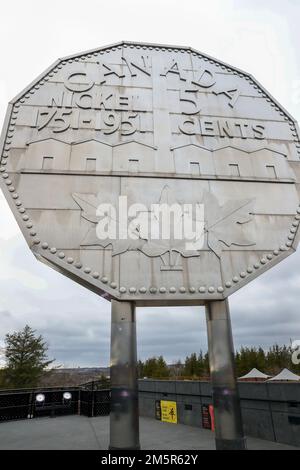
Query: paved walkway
80, 432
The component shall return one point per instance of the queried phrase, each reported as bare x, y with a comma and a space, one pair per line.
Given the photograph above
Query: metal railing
95, 402
35, 403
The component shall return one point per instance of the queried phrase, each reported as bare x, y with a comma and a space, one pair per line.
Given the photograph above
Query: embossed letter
78, 87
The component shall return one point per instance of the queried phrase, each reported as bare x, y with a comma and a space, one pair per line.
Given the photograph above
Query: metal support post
228, 420
124, 415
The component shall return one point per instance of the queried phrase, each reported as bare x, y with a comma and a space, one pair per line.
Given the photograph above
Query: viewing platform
83, 433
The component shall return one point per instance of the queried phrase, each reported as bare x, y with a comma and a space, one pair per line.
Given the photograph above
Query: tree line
270, 361
27, 364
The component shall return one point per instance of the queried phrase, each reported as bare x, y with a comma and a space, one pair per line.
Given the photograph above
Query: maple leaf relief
223, 226
224, 223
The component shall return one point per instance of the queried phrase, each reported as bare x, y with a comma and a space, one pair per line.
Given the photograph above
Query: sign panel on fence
169, 411
158, 410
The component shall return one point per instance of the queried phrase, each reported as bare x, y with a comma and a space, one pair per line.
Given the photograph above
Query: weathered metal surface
124, 411
226, 401
153, 123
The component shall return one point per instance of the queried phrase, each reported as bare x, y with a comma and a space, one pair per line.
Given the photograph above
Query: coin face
152, 173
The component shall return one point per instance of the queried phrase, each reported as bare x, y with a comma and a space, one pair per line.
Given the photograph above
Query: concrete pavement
80, 432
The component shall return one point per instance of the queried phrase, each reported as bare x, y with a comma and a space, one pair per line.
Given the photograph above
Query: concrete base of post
231, 444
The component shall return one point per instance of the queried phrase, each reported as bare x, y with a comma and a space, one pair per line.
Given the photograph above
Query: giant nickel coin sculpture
103, 142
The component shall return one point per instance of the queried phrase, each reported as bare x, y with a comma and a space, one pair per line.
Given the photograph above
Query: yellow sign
169, 411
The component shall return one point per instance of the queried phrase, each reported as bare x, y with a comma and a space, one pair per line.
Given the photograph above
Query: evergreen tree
150, 367
192, 366
205, 365
26, 358
140, 369
162, 369
155, 367
270, 361
279, 357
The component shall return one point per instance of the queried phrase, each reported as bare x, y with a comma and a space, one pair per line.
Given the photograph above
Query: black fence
15, 405
55, 403
28, 404
94, 402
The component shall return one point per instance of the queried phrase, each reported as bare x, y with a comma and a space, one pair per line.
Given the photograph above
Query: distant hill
72, 377
83, 370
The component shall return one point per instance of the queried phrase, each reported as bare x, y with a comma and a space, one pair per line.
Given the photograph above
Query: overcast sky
259, 36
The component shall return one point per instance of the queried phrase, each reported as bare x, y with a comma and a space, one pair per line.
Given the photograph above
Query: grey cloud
253, 35
5, 313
